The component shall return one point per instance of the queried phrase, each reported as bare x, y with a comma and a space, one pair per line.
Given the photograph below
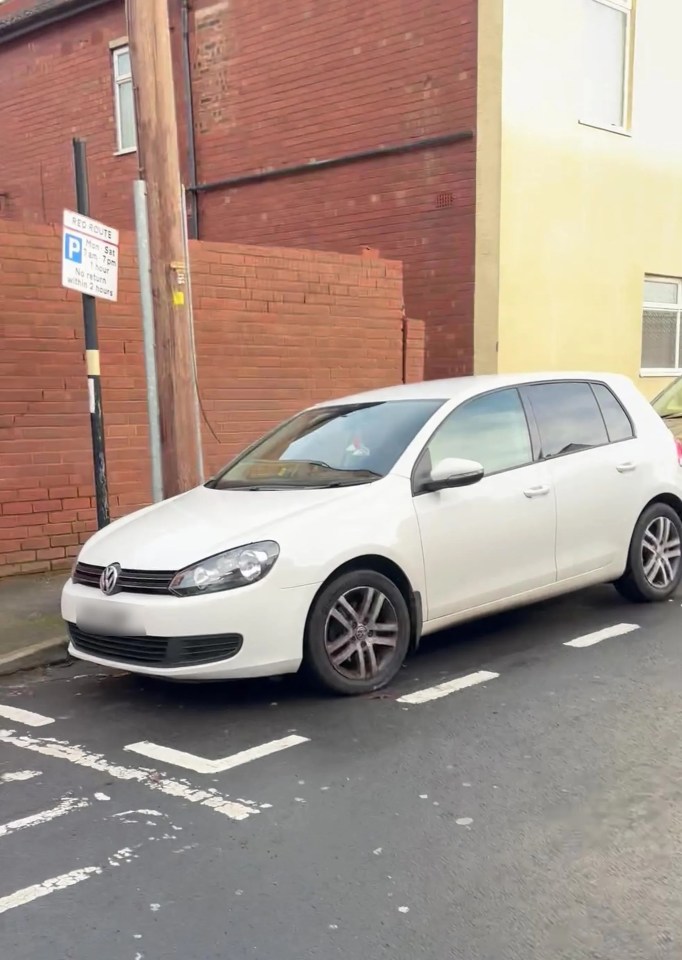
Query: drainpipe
193, 200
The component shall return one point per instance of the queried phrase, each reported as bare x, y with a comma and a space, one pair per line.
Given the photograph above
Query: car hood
195, 525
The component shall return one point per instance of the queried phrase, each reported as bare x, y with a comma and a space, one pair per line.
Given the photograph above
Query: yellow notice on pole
178, 298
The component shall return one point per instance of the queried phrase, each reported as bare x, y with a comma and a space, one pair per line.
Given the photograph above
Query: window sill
124, 153
660, 372
620, 131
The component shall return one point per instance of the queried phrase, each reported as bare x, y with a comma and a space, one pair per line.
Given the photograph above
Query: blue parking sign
73, 248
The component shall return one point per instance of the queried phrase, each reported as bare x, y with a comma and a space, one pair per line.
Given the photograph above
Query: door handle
540, 491
626, 467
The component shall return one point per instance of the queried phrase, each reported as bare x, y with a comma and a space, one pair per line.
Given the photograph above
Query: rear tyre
358, 634
654, 568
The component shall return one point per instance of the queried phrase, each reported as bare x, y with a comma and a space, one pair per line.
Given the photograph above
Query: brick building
277, 329
383, 93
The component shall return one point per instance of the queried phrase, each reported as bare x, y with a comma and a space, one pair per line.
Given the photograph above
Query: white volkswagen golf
346, 534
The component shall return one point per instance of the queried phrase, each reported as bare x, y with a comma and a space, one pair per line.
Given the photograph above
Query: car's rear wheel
358, 633
654, 568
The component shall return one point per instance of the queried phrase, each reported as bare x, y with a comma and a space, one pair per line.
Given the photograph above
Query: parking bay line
198, 764
19, 775
17, 715
62, 750
66, 806
28, 894
448, 687
589, 639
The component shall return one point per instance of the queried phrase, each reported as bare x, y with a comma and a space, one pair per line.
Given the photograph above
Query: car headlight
225, 571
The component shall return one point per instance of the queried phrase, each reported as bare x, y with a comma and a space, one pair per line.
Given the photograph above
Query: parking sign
89, 256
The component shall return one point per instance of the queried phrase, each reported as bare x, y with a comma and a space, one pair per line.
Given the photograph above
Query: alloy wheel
661, 552
361, 633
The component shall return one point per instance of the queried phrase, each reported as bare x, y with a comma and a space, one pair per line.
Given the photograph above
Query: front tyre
358, 633
654, 566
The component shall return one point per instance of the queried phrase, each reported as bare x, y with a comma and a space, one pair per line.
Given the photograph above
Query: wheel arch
394, 572
671, 499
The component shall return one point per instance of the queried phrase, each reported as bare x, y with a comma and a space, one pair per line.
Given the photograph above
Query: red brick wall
57, 84
277, 84
276, 329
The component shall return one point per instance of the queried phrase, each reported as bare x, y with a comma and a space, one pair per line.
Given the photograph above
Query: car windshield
668, 404
330, 446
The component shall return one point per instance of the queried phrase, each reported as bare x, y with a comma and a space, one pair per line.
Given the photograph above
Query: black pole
92, 353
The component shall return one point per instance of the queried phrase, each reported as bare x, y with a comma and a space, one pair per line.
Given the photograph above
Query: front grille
130, 581
158, 651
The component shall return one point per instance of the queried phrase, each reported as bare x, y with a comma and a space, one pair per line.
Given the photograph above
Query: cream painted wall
488, 185
584, 213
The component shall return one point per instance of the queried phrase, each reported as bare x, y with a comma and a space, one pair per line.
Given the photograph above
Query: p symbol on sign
73, 248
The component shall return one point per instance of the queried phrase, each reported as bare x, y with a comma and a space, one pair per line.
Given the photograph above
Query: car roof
460, 388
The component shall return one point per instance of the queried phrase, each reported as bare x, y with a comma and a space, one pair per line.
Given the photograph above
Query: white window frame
119, 80
664, 308
626, 7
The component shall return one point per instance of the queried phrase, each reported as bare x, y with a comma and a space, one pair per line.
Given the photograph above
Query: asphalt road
535, 815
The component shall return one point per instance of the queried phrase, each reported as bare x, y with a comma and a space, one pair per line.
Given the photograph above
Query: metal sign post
144, 263
90, 265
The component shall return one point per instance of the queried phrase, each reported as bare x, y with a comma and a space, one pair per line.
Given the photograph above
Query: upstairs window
607, 39
124, 101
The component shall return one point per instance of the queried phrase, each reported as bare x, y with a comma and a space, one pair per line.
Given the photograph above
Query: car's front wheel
358, 633
654, 568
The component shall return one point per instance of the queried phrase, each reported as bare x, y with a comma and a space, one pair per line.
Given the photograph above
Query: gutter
278, 173
20, 25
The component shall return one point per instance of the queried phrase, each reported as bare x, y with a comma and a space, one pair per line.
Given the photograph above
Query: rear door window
568, 417
617, 422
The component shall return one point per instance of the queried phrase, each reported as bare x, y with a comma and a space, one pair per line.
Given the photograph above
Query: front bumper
269, 624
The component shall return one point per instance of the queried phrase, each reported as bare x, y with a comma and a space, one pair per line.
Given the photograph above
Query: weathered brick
255, 368
335, 83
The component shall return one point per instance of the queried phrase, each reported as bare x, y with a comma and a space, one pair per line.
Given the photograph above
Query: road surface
514, 796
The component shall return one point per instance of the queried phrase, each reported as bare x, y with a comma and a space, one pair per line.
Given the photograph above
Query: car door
496, 538
594, 459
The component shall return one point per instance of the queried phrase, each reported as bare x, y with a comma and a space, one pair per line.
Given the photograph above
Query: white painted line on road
28, 894
17, 715
589, 639
19, 775
62, 750
66, 806
450, 686
202, 764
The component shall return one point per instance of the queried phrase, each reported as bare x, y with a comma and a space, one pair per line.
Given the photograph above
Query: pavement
515, 795
31, 629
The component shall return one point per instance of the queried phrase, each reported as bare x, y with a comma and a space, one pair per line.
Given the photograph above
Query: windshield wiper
670, 416
369, 477
354, 470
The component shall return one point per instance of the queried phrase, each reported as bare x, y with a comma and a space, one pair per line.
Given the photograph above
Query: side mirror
453, 472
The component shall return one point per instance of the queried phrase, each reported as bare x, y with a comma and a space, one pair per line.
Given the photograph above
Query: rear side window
568, 417
617, 422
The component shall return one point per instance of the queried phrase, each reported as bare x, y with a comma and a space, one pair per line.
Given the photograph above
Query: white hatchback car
358, 526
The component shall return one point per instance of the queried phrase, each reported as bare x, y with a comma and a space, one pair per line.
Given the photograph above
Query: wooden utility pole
157, 135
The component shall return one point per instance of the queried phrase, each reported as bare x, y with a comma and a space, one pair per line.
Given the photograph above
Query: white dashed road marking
17, 715
19, 775
202, 764
589, 639
92, 761
66, 806
450, 686
21, 897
